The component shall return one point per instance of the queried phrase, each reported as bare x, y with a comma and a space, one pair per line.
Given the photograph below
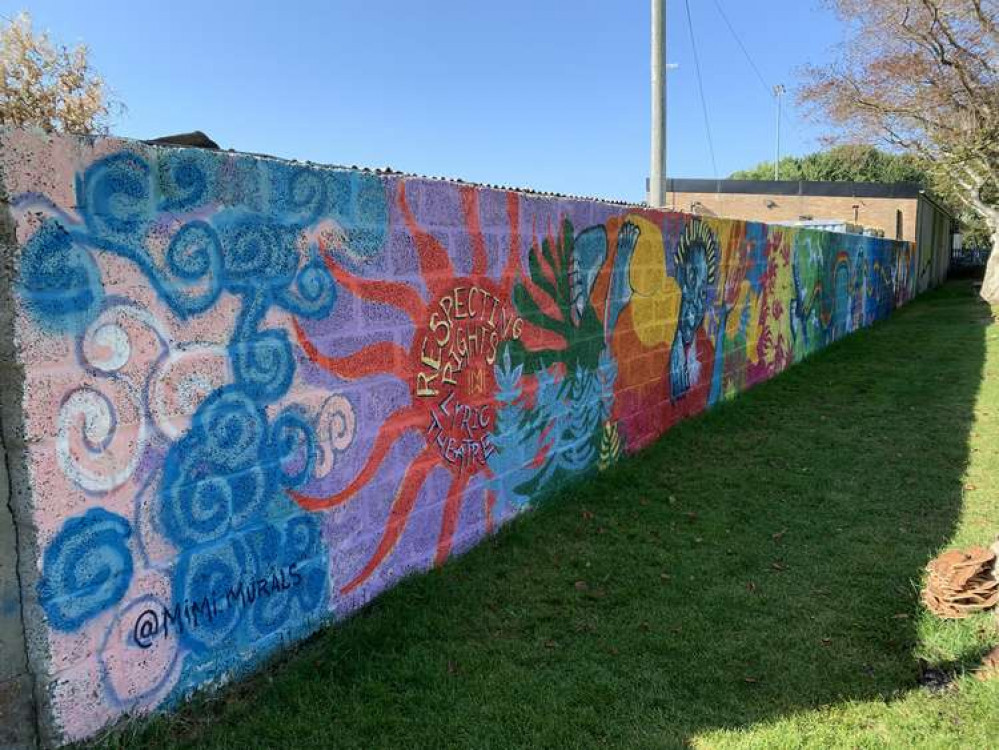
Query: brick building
898, 210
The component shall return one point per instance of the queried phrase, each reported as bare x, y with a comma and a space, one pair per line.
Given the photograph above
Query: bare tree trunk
990, 285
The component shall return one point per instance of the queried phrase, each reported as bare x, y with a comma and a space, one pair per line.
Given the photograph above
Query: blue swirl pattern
225, 473
59, 282
210, 573
298, 543
227, 576
193, 259
299, 194
115, 196
87, 568
358, 204
312, 292
222, 498
263, 364
185, 179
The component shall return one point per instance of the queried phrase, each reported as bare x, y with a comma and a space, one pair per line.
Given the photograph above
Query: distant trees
865, 163
923, 76
49, 85
849, 162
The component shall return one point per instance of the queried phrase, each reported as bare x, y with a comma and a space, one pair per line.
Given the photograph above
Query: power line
763, 82
771, 90
700, 88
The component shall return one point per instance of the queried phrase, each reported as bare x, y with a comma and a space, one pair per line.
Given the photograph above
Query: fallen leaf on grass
827, 641
750, 586
777, 536
989, 667
778, 566
750, 680
581, 585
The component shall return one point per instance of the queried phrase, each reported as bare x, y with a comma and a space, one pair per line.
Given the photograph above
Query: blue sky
549, 94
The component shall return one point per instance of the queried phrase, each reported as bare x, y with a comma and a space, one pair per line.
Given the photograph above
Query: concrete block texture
243, 396
17, 700
13, 658
17, 713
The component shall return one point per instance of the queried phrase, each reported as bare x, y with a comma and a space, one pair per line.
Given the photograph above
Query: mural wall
258, 393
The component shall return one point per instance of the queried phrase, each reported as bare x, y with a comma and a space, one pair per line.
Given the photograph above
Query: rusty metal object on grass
961, 582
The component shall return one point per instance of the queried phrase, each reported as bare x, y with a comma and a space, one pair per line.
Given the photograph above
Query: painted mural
258, 393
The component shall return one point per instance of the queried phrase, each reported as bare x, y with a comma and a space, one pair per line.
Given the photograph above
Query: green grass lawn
752, 580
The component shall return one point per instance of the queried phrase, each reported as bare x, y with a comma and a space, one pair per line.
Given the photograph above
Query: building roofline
198, 139
796, 187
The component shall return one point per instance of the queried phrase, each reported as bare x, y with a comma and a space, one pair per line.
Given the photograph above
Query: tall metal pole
778, 92
657, 171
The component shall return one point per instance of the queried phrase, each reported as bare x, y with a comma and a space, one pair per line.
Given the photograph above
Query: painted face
692, 276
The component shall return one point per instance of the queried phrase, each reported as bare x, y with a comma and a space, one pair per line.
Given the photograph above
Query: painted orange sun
449, 369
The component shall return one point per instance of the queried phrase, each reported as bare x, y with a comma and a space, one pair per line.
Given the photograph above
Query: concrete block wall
17, 700
250, 394
924, 222
18, 716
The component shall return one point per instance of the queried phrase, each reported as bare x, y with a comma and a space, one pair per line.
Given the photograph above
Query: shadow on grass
757, 561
